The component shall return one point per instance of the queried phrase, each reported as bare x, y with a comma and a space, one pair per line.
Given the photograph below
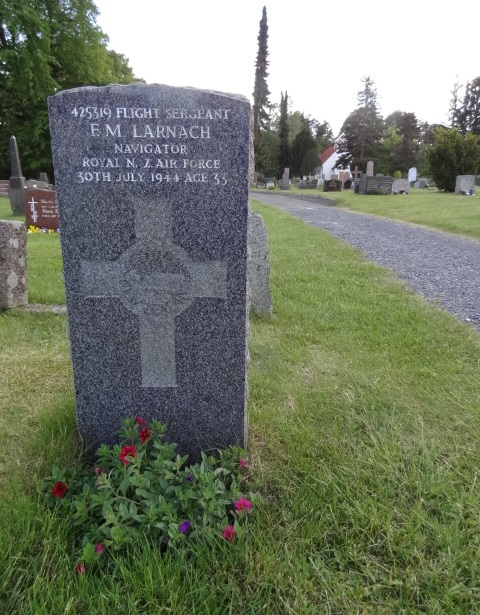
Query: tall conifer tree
260, 91
284, 147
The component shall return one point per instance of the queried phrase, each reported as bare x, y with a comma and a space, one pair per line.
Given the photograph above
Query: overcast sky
414, 50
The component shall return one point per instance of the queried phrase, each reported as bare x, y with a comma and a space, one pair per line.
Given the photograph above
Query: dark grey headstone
152, 188
16, 192
13, 264
375, 185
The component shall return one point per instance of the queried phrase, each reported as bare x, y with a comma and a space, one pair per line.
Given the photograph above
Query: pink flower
99, 548
144, 434
243, 504
243, 463
127, 451
59, 490
229, 533
140, 421
244, 480
80, 568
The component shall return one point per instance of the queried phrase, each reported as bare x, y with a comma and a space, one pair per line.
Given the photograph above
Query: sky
319, 52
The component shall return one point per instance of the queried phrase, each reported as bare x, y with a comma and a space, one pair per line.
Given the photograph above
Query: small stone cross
156, 280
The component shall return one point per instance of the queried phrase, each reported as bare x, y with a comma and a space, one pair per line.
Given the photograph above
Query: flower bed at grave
41, 229
141, 489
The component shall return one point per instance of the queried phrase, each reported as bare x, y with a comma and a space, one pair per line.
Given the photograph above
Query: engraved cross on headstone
156, 280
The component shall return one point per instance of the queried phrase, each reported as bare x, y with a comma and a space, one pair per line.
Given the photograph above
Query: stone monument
369, 170
13, 264
152, 188
260, 300
16, 191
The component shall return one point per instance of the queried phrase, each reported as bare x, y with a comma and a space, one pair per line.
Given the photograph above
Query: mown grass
364, 418
453, 213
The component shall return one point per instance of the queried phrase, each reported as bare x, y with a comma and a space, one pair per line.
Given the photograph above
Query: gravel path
443, 268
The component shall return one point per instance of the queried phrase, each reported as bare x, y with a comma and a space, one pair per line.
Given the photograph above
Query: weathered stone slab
401, 186
258, 266
152, 188
13, 264
41, 209
464, 183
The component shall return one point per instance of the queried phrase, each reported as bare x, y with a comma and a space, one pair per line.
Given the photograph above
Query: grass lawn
444, 211
364, 438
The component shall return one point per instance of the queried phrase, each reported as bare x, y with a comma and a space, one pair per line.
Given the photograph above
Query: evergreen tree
470, 109
454, 110
284, 146
47, 46
260, 91
302, 160
405, 149
362, 131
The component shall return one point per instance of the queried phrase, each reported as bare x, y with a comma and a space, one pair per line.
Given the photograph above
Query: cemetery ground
364, 439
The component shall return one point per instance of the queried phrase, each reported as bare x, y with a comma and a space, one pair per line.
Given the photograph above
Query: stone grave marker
258, 266
16, 192
332, 185
401, 186
41, 209
285, 185
13, 264
4, 187
152, 185
412, 174
369, 170
464, 183
375, 185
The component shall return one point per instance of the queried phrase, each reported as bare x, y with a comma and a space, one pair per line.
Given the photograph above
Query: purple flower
190, 478
183, 527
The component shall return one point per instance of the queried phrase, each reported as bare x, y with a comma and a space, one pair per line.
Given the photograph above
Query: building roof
327, 153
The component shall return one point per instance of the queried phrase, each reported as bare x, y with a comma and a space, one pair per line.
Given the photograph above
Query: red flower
80, 568
144, 434
243, 463
229, 533
140, 421
59, 489
99, 547
243, 504
127, 451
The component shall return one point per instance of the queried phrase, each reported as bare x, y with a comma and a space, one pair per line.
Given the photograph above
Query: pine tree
362, 131
260, 91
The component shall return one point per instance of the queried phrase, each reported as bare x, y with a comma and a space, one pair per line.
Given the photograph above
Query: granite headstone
375, 185
16, 191
13, 264
41, 209
4, 187
401, 186
464, 183
260, 300
412, 174
152, 188
369, 170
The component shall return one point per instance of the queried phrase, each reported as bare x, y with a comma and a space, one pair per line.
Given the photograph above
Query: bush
453, 154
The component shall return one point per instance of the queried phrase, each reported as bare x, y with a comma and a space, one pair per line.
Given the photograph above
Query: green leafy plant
142, 488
